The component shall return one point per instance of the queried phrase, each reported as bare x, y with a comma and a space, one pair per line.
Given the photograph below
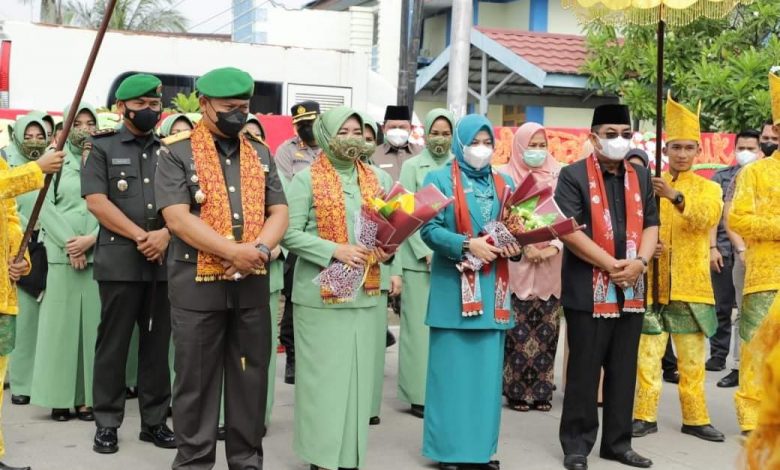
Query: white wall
435, 37
567, 117
122, 52
389, 39
514, 15
308, 28
562, 21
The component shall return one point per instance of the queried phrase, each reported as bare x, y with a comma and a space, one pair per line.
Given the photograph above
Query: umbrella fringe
647, 12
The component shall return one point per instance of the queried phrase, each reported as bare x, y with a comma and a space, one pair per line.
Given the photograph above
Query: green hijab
369, 149
432, 116
14, 150
83, 106
43, 116
367, 121
327, 126
253, 118
168, 122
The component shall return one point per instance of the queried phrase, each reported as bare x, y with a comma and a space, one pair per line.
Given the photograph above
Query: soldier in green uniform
293, 156
70, 310
28, 142
118, 183
220, 194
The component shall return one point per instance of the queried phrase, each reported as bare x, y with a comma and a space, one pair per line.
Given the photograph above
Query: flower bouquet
383, 222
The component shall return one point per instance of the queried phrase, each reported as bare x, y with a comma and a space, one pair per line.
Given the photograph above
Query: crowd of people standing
187, 239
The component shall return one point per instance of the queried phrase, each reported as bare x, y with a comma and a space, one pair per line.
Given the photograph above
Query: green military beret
227, 82
138, 85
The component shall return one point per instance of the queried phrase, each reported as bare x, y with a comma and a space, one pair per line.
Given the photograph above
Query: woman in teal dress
335, 340
467, 331
28, 141
416, 261
70, 311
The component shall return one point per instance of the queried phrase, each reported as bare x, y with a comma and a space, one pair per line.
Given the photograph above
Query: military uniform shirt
294, 156
177, 183
122, 166
391, 159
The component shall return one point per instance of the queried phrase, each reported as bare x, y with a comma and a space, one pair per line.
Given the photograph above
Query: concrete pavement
528, 440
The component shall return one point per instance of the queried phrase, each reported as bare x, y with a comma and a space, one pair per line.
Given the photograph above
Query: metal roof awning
500, 75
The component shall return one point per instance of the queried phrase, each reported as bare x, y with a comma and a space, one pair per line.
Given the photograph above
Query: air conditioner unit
327, 96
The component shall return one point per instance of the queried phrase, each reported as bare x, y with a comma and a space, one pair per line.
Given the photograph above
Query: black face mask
231, 123
143, 119
306, 133
768, 148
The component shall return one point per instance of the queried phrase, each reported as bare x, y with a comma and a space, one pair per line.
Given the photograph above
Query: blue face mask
534, 158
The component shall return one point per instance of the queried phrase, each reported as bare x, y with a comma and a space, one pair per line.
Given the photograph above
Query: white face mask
746, 156
615, 149
478, 156
397, 137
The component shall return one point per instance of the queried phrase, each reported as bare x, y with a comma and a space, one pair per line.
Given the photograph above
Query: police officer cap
138, 85
611, 114
227, 82
305, 111
397, 113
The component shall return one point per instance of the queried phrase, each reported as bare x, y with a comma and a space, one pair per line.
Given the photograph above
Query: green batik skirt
681, 318
7, 334
754, 309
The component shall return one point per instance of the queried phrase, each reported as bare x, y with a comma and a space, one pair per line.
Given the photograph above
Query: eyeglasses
614, 135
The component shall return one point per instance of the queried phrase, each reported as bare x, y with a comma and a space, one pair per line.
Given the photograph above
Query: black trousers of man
725, 299
210, 345
611, 343
286, 332
125, 305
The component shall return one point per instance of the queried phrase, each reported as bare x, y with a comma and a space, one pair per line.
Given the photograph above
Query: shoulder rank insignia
103, 133
172, 139
256, 138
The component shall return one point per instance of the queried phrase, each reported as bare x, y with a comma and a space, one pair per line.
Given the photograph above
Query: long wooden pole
659, 128
74, 105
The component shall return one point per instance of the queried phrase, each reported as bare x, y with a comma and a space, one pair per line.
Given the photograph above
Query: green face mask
33, 149
439, 146
368, 150
348, 148
78, 137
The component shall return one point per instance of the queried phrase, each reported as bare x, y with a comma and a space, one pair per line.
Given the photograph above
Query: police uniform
388, 157
218, 326
292, 157
133, 290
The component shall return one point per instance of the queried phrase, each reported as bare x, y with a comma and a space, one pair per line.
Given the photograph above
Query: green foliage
131, 15
186, 103
722, 63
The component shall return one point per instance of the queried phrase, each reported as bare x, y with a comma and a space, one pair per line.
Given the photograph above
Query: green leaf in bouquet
526, 208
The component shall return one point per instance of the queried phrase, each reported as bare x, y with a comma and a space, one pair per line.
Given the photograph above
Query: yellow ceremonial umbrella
645, 12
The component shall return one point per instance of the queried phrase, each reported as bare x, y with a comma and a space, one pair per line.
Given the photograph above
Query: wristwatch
465, 248
643, 260
262, 248
679, 199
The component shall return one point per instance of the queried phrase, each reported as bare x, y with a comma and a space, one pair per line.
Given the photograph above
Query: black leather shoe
374, 421
60, 414
19, 400
630, 458
715, 364
160, 435
706, 432
575, 462
492, 465
641, 428
289, 373
672, 376
105, 441
85, 415
221, 433
389, 339
131, 392
729, 381
8, 467
418, 411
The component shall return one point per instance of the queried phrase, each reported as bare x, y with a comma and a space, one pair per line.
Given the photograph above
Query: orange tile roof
553, 53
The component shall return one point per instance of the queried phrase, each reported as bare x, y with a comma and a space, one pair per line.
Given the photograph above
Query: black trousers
123, 305
669, 361
595, 343
209, 345
725, 299
286, 331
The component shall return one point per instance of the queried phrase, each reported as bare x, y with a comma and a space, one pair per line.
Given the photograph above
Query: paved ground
528, 440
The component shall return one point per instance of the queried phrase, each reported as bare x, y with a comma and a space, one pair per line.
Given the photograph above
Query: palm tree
131, 15
51, 11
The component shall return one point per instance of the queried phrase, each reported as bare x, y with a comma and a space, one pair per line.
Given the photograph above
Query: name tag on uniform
386, 165
121, 161
265, 168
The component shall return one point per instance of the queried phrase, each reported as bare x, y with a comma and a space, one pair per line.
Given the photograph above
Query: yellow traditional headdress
681, 123
774, 94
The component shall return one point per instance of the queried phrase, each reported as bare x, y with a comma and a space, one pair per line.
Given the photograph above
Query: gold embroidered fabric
750, 393
755, 216
686, 239
690, 363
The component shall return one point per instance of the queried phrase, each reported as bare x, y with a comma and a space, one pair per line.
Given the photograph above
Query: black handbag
35, 282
